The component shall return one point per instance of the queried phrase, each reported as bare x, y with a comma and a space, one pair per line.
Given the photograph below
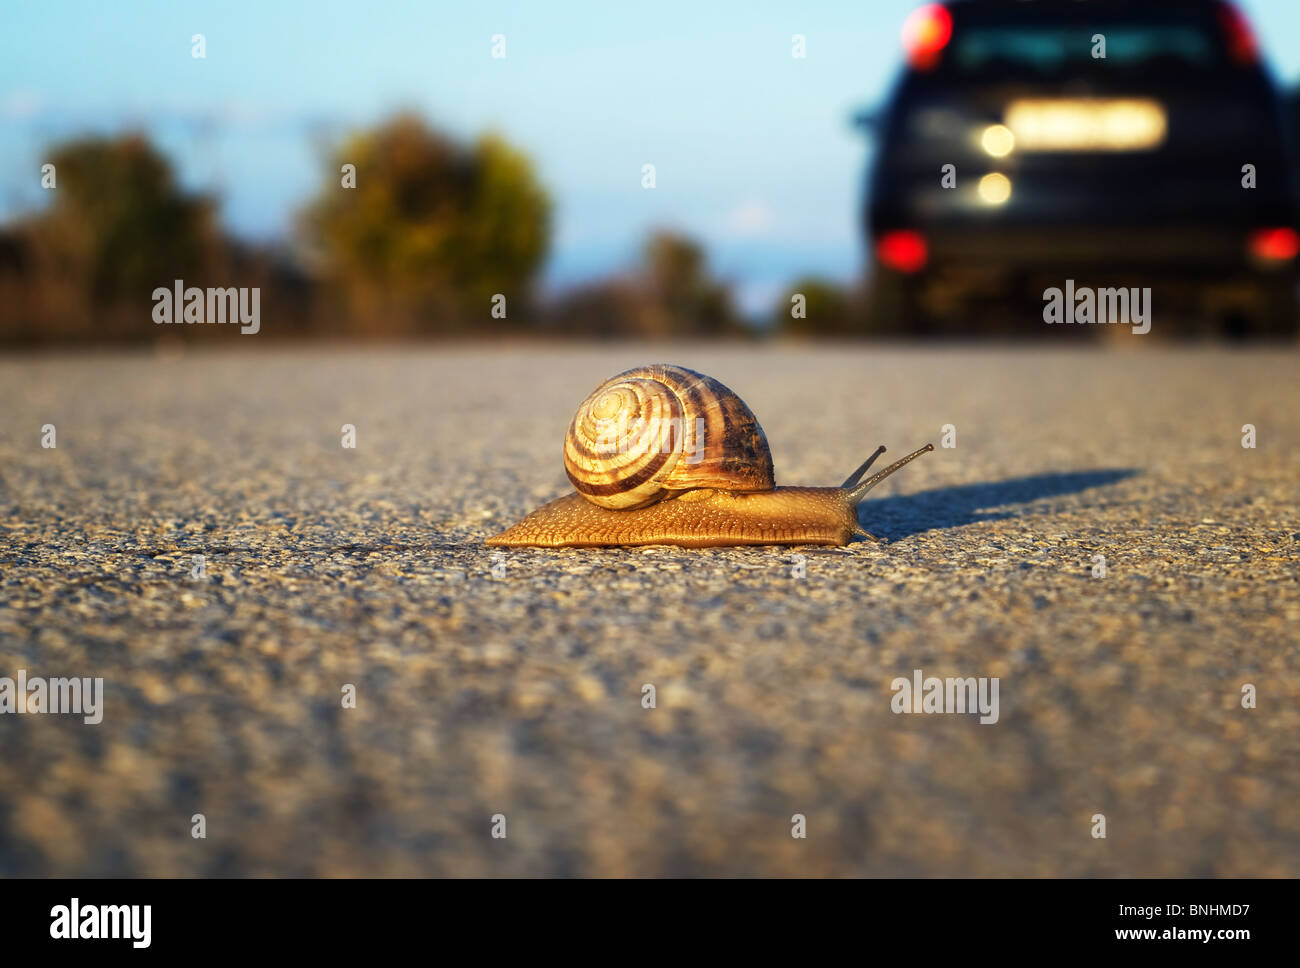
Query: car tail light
1275, 244
1236, 30
903, 251
926, 32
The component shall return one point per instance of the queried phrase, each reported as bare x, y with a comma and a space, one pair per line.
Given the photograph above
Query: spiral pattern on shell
654, 431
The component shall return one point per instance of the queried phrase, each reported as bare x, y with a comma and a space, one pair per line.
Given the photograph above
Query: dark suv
1103, 142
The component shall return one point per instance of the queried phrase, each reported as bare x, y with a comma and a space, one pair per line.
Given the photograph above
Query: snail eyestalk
866, 466
860, 491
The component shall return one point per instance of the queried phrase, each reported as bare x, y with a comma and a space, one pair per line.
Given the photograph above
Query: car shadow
903, 515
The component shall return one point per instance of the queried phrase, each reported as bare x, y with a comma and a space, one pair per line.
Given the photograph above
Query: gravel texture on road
510, 681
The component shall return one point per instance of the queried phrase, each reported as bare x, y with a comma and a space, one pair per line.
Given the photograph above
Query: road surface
512, 684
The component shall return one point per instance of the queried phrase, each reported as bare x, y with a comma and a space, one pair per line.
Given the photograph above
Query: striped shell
655, 430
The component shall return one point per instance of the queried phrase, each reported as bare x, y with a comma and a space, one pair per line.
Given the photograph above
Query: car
1028, 145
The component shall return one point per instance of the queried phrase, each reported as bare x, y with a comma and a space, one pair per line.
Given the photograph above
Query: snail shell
658, 430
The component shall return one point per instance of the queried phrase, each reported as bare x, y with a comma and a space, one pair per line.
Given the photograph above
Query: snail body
664, 455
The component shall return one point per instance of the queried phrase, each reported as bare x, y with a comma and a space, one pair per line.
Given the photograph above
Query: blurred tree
676, 279
118, 227
670, 293
432, 230
827, 309
609, 309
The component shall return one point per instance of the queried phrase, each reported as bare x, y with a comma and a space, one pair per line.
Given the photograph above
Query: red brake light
903, 250
1236, 30
1276, 244
926, 32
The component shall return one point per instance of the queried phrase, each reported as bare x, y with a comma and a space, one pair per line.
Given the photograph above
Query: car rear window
1061, 43
1050, 50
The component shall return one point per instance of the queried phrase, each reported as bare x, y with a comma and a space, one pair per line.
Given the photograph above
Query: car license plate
1086, 124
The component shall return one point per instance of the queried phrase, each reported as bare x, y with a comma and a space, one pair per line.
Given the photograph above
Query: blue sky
753, 150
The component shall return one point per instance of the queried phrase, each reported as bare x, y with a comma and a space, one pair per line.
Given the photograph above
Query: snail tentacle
866, 466
857, 493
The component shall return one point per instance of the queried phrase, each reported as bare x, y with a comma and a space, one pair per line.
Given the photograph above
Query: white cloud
751, 219
21, 105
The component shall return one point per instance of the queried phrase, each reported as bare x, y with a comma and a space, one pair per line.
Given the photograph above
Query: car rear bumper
1181, 247
1177, 250
1187, 270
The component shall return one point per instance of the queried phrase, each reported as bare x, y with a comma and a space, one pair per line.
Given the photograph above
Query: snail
663, 455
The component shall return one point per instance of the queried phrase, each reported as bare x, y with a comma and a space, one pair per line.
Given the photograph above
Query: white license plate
1087, 124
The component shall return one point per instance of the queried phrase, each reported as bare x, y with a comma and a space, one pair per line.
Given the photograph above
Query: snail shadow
904, 515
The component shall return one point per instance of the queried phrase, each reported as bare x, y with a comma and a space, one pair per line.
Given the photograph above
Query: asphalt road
491, 682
